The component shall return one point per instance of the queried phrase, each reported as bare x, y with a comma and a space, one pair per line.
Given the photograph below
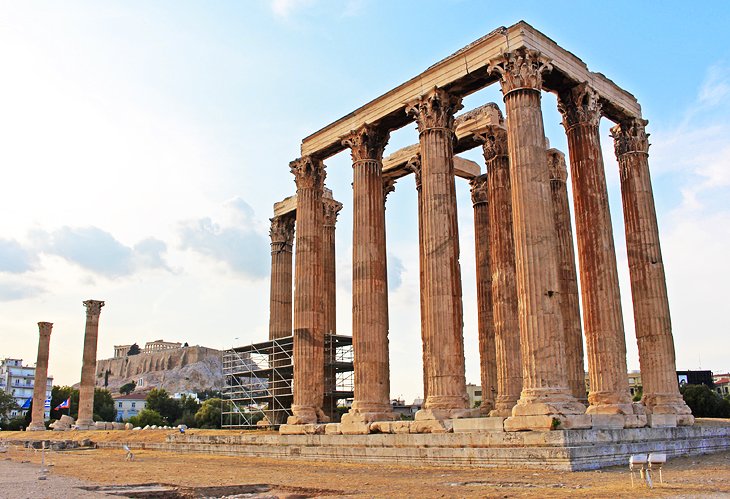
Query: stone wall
177, 370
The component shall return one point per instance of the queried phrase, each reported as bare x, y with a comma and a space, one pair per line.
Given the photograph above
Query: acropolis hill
175, 368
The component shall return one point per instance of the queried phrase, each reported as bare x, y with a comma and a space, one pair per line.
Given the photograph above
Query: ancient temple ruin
530, 333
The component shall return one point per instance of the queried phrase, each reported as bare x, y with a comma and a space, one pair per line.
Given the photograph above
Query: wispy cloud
15, 258
98, 251
11, 290
284, 8
238, 241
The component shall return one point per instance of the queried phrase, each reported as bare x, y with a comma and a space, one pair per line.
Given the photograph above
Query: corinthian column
504, 285
309, 175
37, 422
602, 318
569, 303
85, 420
369, 279
331, 209
648, 283
545, 394
442, 307
414, 165
280, 309
485, 317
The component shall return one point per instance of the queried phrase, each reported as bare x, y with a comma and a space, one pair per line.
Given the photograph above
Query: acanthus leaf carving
479, 187
520, 69
282, 232
434, 109
630, 136
414, 166
331, 210
93, 307
388, 187
494, 142
579, 105
367, 143
309, 173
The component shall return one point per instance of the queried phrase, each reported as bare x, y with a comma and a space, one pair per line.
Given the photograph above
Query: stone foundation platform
568, 450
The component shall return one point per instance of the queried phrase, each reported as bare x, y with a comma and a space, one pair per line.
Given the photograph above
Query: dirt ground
705, 476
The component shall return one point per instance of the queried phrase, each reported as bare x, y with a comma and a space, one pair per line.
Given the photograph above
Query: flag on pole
26, 404
66, 404
47, 403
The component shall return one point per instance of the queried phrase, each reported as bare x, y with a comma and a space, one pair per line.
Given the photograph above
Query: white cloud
284, 8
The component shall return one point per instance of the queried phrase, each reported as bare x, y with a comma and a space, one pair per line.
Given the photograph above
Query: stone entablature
159, 345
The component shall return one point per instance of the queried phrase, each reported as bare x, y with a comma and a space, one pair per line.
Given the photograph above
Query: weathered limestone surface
85, 418
38, 419
369, 280
646, 270
434, 114
331, 209
181, 369
502, 257
570, 450
414, 166
485, 316
603, 321
569, 303
544, 391
308, 352
280, 309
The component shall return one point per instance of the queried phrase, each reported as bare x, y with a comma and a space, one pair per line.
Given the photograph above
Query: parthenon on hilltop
529, 317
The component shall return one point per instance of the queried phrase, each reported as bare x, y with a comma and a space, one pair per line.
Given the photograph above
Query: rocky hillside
185, 369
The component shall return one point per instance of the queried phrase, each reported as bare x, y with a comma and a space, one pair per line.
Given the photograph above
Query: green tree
209, 394
159, 400
104, 409
15, 424
209, 414
133, 350
190, 407
7, 404
147, 417
704, 402
60, 394
128, 388
638, 393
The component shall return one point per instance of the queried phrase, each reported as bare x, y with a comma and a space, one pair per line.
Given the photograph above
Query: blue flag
26, 404
47, 404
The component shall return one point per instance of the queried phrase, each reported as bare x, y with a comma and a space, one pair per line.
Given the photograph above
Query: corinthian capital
579, 105
494, 142
435, 109
414, 165
630, 136
521, 68
331, 210
556, 163
479, 189
367, 143
282, 230
388, 187
44, 328
308, 173
93, 307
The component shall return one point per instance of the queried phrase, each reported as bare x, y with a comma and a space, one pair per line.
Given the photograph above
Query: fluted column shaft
440, 249
544, 390
280, 309
308, 352
331, 209
88, 364
601, 297
646, 269
414, 165
504, 284
41, 378
369, 275
485, 316
569, 302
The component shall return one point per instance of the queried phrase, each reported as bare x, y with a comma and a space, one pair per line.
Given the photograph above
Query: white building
17, 380
129, 405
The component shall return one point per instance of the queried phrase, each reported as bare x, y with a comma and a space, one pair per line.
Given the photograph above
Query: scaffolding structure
259, 380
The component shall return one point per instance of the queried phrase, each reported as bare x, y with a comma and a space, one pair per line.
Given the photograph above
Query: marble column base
35, 426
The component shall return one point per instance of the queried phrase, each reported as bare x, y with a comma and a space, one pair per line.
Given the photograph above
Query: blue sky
142, 146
